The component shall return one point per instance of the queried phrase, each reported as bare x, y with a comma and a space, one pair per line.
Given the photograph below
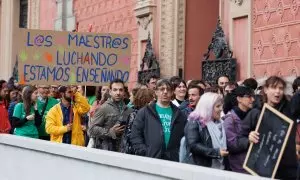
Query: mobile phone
122, 123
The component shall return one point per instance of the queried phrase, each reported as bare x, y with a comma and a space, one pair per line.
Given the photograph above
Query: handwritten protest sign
69, 58
274, 129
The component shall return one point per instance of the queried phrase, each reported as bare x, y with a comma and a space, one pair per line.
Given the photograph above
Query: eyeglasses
248, 96
163, 89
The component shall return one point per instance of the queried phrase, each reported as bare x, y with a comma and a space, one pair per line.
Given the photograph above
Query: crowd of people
190, 122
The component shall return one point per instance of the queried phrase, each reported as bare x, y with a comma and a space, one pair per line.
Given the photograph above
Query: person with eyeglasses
64, 120
159, 127
240, 103
44, 104
54, 92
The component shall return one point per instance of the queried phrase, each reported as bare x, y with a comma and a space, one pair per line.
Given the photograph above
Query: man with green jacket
44, 104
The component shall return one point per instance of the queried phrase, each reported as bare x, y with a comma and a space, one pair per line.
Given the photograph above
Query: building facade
264, 35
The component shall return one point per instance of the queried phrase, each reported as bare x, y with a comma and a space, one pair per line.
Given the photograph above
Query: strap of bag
44, 107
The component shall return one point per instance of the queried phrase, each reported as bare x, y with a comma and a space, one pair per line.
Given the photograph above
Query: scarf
218, 137
241, 114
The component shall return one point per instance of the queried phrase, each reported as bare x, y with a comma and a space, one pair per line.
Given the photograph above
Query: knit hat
241, 91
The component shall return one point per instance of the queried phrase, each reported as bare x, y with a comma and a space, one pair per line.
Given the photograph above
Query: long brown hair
272, 81
26, 96
143, 97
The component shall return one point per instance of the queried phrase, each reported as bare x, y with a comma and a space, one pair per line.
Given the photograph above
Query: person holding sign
205, 133
26, 117
241, 101
273, 95
63, 121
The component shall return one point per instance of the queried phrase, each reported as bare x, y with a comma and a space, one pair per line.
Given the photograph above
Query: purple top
237, 153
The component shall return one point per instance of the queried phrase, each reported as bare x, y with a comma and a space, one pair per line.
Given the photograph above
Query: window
23, 13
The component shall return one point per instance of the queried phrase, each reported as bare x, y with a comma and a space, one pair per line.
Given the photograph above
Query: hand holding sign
254, 137
268, 142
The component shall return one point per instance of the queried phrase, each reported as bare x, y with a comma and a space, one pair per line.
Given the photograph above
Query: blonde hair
205, 107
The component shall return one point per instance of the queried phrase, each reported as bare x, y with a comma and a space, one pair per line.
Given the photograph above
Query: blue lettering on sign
85, 58
112, 59
67, 74
116, 43
44, 73
48, 40
72, 37
39, 40
98, 75
25, 72
28, 39
125, 42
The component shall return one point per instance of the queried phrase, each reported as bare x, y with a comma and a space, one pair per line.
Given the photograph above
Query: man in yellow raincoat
64, 120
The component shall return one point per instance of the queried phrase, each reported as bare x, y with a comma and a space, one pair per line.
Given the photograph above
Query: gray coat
104, 119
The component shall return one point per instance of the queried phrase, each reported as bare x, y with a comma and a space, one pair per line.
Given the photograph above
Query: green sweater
91, 99
28, 129
40, 105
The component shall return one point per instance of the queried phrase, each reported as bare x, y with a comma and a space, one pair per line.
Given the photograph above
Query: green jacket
51, 102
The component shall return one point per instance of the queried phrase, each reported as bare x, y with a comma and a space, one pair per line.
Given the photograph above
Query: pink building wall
276, 37
238, 39
47, 14
224, 14
114, 16
201, 22
240, 46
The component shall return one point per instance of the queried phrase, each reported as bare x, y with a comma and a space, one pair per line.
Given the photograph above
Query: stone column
172, 36
10, 11
65, 19
33, 14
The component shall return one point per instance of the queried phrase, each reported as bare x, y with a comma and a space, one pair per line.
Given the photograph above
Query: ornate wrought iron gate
223, 63
149, 60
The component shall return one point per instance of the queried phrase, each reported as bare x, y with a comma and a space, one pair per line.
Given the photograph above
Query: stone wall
276, 38
27, 159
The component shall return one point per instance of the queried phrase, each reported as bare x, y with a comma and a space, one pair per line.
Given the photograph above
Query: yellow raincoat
54, 121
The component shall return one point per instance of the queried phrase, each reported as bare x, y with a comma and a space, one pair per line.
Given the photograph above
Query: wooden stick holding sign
274, 129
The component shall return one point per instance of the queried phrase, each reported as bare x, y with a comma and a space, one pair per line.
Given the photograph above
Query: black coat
200, 144
288, 166
147, 135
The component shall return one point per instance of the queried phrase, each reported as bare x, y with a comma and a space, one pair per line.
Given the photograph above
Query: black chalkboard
274, 129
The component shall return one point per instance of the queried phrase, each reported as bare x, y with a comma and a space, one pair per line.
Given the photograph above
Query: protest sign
72, 58
264, 157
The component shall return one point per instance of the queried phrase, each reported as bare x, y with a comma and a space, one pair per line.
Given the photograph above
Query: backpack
185, 156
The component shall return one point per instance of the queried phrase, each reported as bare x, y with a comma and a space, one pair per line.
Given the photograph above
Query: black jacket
288, 165
200, 144
147, 135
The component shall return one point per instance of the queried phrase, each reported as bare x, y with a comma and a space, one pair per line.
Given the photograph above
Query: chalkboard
264, 157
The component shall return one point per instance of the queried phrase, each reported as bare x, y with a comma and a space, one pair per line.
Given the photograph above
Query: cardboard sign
71, 58
264, 157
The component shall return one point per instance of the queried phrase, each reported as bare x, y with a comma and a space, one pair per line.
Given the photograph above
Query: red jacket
4, 122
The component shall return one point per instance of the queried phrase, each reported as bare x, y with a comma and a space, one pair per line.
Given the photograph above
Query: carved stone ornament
144, 21
150, 61
238, 2
218, 44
